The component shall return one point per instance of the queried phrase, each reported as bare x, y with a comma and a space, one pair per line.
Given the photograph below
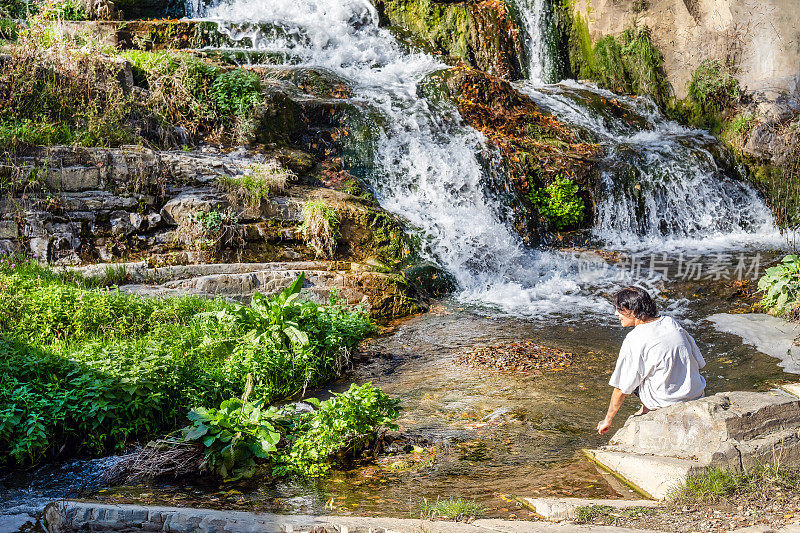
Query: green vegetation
341, 427
713, 95
256, 184
781, 286
592, 513
209, 231
90, 370
713, 88
75, 95
17, 9
452, 509
628, 64
560, 204
8, 30
320, 228
62, 10
715, 483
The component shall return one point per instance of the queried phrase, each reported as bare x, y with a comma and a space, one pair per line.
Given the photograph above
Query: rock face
482, 33
759, 38
83, 205
735, 430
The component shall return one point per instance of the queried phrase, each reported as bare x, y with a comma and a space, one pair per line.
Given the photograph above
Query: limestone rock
759, 36
192, 201
711, 429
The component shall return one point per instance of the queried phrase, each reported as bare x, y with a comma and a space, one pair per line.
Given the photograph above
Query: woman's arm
617, 397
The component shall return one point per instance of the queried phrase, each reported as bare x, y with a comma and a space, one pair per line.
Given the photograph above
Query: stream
478, 433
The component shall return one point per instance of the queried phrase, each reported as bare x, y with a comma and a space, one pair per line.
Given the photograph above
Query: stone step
655, 452
652, 476
559, 509
90, 516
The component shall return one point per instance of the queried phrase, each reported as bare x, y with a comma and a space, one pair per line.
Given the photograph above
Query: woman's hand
603, 426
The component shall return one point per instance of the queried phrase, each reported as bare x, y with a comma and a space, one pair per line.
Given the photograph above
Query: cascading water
661, 186
533, 14
431, 169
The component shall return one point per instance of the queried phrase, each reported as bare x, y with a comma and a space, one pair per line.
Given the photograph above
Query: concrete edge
640, 491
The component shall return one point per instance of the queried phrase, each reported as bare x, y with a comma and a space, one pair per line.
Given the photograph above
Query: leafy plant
342, 427
560, 204
234, 437
781, 286
90, 370
320, 227
236, 92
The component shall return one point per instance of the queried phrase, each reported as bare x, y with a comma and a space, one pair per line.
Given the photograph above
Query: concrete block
558, 509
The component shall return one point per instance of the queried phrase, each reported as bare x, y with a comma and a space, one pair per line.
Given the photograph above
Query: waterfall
429, 167
534, 17
661, 186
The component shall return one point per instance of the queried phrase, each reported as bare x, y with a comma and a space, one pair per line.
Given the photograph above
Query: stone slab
653, 476
558, 509
709, 429
89, 516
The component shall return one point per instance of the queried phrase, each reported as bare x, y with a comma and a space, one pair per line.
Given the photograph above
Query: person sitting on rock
659, 361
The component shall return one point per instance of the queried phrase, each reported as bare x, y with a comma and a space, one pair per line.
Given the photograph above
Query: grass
591, 513
719, 484
458, 509
89, 371
320, 228
256, 184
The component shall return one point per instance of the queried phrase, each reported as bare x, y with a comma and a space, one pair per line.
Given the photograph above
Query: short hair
636, 301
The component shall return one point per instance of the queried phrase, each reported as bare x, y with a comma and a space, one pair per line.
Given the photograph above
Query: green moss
629, 63
713, 94
445, 26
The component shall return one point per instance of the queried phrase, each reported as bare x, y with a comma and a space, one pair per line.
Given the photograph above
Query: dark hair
637, 301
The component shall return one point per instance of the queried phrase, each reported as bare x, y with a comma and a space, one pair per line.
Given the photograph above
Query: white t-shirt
662, 360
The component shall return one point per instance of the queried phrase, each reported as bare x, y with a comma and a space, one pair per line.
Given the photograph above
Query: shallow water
482, 434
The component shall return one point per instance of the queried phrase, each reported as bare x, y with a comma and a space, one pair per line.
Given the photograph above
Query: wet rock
8, 229
481, 33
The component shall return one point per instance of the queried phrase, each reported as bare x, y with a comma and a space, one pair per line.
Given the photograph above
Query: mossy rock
481, 33
430, 280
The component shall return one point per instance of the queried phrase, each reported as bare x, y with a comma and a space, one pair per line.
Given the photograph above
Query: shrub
234, 437
89, 370
320, 228
62, 10
560, 204
781, 286
340, 428
236, 92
